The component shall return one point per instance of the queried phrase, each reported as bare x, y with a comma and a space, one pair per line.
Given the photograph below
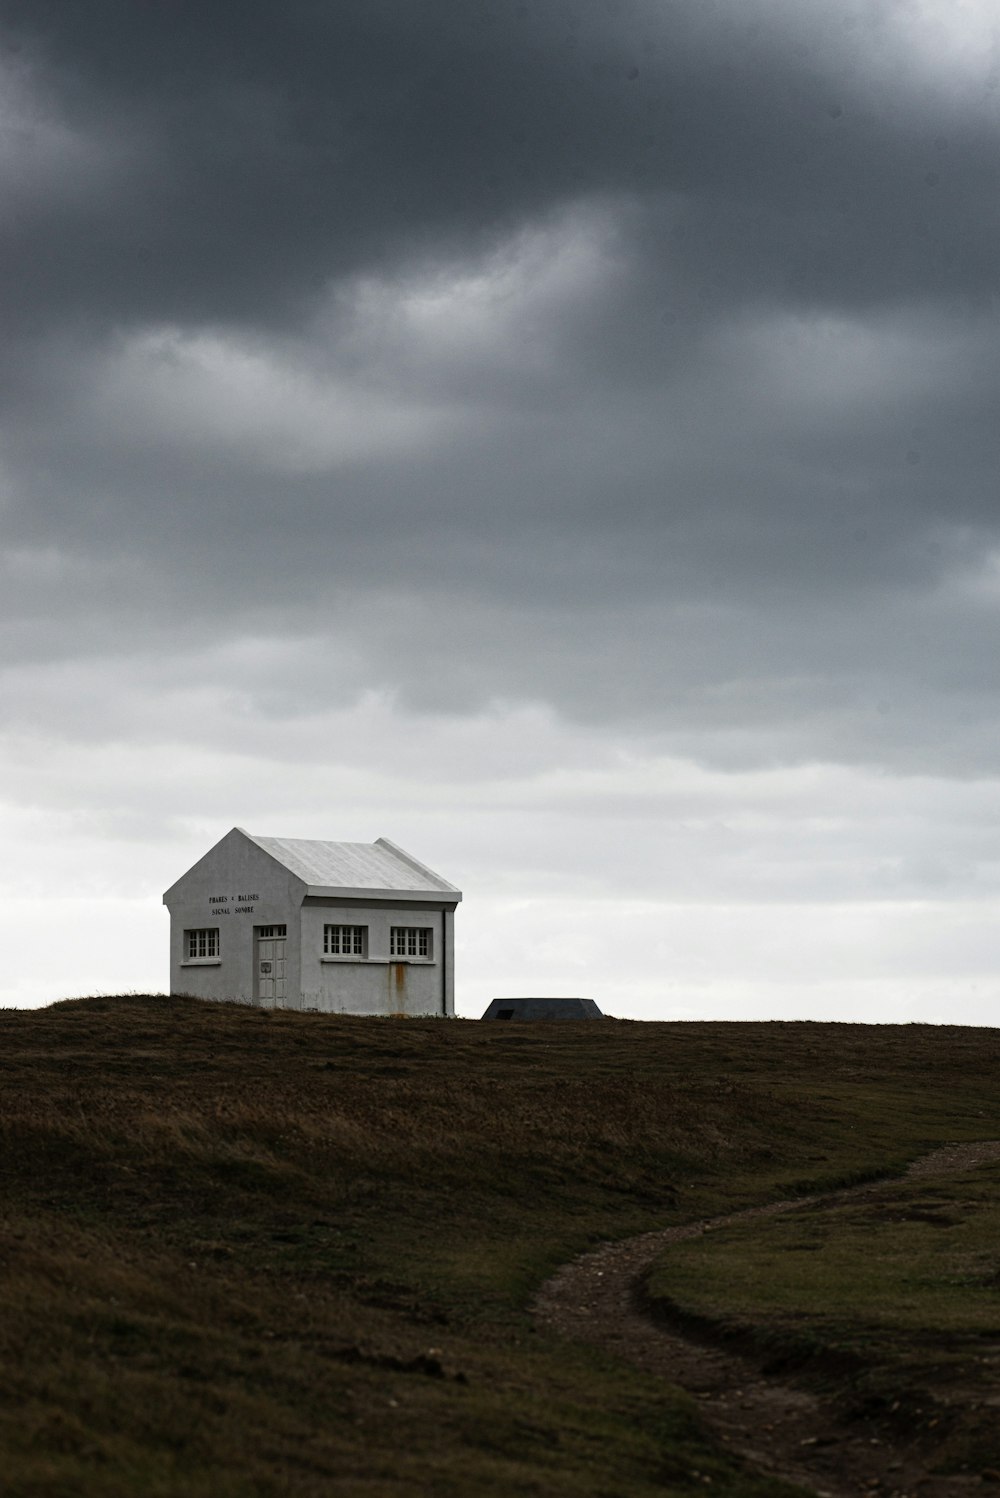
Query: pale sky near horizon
559, 437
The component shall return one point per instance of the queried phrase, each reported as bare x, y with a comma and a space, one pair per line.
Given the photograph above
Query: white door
269, 964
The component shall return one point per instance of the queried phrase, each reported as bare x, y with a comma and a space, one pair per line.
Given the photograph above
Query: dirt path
782, 1431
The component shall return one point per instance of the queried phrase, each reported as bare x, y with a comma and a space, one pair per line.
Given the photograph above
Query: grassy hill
252, 1253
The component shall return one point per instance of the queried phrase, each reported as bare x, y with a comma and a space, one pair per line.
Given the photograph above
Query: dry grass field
252, 1253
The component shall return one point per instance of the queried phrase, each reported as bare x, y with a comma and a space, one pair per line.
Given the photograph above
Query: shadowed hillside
247, 1252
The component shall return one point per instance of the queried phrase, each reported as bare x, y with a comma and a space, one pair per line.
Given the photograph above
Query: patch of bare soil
782, 1431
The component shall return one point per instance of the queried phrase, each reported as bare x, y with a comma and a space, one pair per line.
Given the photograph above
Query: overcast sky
560, 437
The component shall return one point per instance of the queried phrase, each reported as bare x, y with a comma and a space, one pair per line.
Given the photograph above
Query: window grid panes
344, 941
268, 933
203, 943
410, 941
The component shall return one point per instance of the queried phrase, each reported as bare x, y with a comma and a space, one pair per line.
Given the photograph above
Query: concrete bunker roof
328, 868
542, 1009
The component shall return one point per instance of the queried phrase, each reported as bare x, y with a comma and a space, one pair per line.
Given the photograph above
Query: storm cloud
567, 430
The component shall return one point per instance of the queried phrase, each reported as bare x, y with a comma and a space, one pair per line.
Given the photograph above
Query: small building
543, 1009
293, 923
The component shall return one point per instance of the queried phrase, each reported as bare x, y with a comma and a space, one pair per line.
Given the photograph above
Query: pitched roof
354, 868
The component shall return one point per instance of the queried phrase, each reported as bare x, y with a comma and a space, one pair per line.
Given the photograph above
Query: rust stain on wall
395, 980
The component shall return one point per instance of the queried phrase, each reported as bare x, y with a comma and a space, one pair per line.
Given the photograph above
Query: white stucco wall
374, 984
209, 896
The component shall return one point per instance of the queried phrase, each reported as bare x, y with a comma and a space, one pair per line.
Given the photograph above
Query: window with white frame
201, 943
345, 941
410, 941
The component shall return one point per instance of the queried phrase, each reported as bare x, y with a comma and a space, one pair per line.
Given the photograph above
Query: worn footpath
780, 1430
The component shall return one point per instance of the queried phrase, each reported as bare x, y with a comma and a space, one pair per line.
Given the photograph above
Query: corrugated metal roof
353, 866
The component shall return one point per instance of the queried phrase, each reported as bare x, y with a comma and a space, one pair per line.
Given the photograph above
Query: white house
293, 923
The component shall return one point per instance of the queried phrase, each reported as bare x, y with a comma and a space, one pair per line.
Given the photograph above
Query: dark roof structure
543, 1009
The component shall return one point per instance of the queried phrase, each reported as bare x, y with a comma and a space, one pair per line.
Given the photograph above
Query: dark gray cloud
646, 356
233, 159
560, 436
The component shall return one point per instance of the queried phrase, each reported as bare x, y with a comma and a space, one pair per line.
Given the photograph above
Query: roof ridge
414, 863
